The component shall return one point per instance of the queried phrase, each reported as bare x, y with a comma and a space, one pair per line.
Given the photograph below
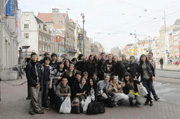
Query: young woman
70, 75
90, 66
81, 64
59, 74
67, 64
116, 90
74, 61
92, 89
102, 87
95, 77
133, 68
147, 74
62, 91
76, 83
81, 89
131, 89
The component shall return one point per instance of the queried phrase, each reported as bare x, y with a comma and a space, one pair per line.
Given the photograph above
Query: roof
47, 17
70, 20
38, 20
64, 14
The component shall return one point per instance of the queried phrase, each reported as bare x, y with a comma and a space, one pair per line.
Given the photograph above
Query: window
26, 26
26, 35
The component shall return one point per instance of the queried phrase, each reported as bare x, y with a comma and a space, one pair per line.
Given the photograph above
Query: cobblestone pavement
13, 105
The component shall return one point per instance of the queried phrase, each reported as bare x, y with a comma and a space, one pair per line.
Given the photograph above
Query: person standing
119, 69
81, 64
46, 75
90, 66
152, 61
147, 74
125, 62
109, 65
100, 70
34, 80
161, 62
133, 68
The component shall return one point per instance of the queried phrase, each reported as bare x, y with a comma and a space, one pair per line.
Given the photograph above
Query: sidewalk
169, 67
13, 105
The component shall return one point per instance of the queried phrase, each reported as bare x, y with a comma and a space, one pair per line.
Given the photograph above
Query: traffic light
80, 36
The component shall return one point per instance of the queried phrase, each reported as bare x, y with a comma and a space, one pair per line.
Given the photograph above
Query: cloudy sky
111, 21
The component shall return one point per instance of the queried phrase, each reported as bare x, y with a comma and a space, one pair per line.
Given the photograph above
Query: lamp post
83, 21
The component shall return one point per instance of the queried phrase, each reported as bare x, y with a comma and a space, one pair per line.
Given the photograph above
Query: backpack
76, 106
95, 108
110, 102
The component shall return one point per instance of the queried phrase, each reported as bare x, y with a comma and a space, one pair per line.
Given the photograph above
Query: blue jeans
148, 85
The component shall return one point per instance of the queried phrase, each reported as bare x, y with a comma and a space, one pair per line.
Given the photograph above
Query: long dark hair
58, 66
94, 83
141, 62
89, 58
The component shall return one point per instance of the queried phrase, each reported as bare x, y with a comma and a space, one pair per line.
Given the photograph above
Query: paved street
14, 106
168, 74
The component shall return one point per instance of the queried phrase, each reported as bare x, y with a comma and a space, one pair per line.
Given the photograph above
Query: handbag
65, 106
142, 90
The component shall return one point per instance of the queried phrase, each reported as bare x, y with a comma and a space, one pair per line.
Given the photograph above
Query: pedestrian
100, 70
67, 64
147, 76
46, 77
27, 61
153, 62
133, 68
102, 87
75, 84
131, 89
46, 54
81, 90
81, 64
62, 91
90, 66
161, 62
116, 90
118, 68
109, 65
34, 79
53, 63
125, 62
74, 61
92, 89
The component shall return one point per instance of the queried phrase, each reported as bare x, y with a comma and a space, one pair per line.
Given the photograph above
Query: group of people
105, 79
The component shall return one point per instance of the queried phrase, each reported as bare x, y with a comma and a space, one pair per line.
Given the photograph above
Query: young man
151, 60
100, 70
34, 80
109, 65
118, 68
46, 72
53, 63
125, 62
62, 91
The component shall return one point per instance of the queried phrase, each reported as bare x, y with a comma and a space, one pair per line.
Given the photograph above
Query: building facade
8, 36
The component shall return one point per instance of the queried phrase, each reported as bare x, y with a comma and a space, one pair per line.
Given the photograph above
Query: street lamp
83, 21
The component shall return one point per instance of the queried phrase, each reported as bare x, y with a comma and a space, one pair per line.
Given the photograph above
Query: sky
110, 22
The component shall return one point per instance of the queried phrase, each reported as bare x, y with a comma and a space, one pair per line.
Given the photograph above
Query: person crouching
62, 91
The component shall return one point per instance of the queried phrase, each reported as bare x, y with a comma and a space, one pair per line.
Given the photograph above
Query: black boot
147, 102
131, 103
151, 103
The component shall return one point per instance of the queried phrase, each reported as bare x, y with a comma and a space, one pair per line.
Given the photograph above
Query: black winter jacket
34, 75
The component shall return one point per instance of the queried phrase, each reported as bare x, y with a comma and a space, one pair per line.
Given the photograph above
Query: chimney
54, 10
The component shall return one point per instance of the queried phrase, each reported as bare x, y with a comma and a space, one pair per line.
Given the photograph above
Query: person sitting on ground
85, 75
116, 90
92, 89
62, 91
80, 90
102, 87
131, 89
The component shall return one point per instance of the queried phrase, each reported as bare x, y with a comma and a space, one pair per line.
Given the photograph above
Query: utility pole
83, 21
166, 40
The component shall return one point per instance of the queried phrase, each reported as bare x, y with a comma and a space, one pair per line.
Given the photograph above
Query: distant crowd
75, 85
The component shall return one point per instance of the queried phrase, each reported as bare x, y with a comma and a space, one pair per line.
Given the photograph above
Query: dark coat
119, 70
134, 69
90, 68
128, 87
100, 70
81, 66
150, 70
31, 73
